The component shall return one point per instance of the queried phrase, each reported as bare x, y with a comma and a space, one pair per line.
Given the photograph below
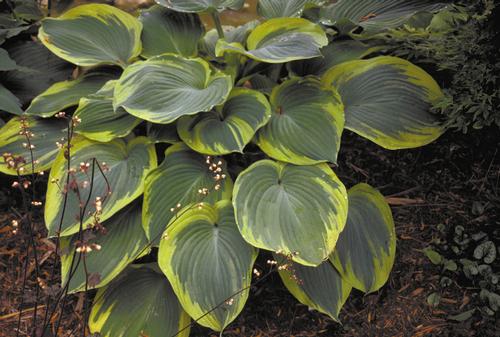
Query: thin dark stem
20, 310
80, 234
218, 24
65, 202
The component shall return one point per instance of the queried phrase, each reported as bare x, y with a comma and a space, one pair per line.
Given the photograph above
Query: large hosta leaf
335, 53
197, 6
208, 264
289, 8
37, 70
62, 95
306, 124
139, 303
122, 243
183, 173
45, 135
388, 101
166, 31
99, 121
366, 248
376, 15
230, 127
164, 88
321, 288
93, 34
279, 40
298, 210
128, 165
9, 102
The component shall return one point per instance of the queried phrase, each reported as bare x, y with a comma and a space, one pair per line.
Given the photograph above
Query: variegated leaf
388, 101
228, 128
208, 263
297, 210
366, 248
93, 34
306, 124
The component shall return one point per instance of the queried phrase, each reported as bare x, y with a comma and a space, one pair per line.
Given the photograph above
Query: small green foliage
458, 44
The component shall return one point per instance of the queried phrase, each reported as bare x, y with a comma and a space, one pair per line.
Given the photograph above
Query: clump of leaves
459, 43
471, 256
251, 118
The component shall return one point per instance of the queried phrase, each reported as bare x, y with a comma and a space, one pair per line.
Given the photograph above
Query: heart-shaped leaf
198, 6
208, 264
183, 174
139, 302
279, 8
116, 187
166, 87
298, 210
43, 137
98, 119
123, 241
306, 124
366, 248
93, 34
230, 127
279, 40
62, 95
321, 287
9, 102
388, 101
376, 15
167, 31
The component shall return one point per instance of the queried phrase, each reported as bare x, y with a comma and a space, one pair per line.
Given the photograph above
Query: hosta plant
201, 148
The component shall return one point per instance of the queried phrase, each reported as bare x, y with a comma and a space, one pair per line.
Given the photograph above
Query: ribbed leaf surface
37, 70
164, 88
45, 135
388, 101
230, 127
183, 173
335, 53
208, 264
197, 6
93, 34
62, 95
366, 248
289, 8
298, 210
321, 288
99, 121
122, 243
139, 302
376, 15
167, 31
279, 40
306, 124
128, 165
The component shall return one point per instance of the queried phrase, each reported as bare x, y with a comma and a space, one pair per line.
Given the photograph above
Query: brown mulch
433, 185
